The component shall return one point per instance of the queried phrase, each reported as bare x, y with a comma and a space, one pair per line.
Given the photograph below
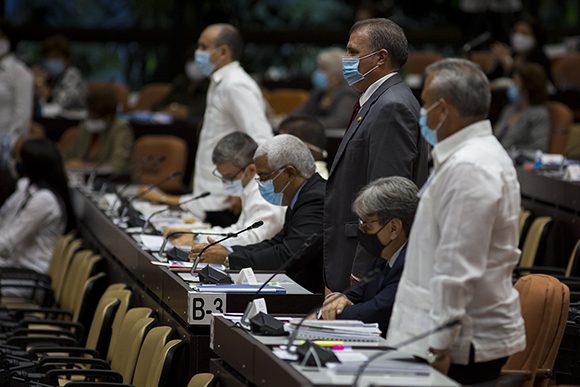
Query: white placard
203, 305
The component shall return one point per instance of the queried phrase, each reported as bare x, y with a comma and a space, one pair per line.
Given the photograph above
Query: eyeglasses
364, 225
261, 179
225, 179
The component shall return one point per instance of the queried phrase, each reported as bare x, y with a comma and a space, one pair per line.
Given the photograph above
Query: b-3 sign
202, 306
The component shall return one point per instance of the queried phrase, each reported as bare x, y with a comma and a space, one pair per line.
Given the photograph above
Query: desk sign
203, 305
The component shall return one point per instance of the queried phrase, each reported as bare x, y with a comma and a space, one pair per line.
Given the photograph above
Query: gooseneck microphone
305, 246
257, 224
172, 234
148, 220
108, 180
448, 325
476, 42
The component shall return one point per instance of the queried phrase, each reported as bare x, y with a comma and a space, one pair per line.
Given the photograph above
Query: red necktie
355, 111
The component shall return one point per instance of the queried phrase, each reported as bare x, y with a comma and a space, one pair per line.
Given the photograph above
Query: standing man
234, 103
464, 244
382, 140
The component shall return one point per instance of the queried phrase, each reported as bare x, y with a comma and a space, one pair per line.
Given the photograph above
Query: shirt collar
221, 73
394, 257
446, 148
295, 198
372, 88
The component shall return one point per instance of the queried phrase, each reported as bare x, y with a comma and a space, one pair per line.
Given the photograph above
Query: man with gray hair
385, 208
382, 140
286, 176
464, 245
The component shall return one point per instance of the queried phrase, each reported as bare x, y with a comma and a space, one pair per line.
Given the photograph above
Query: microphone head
259, 223
203, 195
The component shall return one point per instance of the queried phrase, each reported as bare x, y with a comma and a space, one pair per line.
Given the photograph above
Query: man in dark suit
286, 176
386, 208
383, 139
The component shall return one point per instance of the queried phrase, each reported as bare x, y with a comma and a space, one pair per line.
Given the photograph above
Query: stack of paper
345, 330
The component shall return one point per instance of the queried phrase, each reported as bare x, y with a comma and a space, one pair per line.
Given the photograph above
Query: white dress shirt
462, 251
254, 208
28, 232
372, 88
16, 88
234, 104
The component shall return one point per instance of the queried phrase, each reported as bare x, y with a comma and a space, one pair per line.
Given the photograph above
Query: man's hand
334, 306
183, 240
234, 204
155, 195
442, 361
215, 254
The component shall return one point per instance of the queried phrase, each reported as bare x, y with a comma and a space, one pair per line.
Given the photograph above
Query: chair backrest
565, 72
150, 94
535, 241
573, 268
60, 271
58, 253
175, 151
149, 356
201, 380
162, 374
284, 101
68, 138
573, 146
119, 328
419, 60
524, 224
544, 304
561, 120
82, 267
135, 326
121, 91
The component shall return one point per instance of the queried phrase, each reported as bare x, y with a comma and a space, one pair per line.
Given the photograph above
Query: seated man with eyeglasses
234, 166
386, 208
286, 176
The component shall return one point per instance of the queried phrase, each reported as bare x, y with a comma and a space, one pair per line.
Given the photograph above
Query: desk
551, 196
164, 291
248, 359
187, 131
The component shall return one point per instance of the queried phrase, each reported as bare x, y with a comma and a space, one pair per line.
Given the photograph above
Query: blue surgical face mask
269, 193
430, 135
350, 68
513, 94
54, 66
203, 62
319, 80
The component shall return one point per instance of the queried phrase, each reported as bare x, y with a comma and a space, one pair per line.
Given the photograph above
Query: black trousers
473, 372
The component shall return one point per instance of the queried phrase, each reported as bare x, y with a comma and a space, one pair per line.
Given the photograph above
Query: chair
483, 58
565, 72
524, 225
561, 119
68, 138
201, 380
544, 304
121, 91
535, 242
573, 146
419, 60
173, 149
150, 94
284, 101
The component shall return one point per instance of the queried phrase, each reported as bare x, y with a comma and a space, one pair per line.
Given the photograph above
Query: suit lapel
360, 117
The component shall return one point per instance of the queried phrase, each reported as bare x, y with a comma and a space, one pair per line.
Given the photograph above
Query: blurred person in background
103, 140
186, 98
525, 122
40, 210
331, 100
57, 80
311, 132
526, 45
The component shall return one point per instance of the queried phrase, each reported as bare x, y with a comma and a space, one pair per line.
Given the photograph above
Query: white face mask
192, 71
4, 46
95, 125
522, 43
233, 188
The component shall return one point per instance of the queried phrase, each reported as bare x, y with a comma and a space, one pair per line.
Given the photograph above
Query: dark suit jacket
383, 140
300, 223
373, 302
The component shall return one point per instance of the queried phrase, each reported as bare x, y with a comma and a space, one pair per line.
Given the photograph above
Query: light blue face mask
319, 80
269, 193
430, 135
203, 62
350, 68
513, 94
54, 66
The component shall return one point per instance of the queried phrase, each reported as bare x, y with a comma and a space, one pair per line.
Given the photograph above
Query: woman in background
39, 212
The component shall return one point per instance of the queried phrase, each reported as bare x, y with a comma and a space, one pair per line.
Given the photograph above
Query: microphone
305, 246
93, 174
257, 224
115, 175
148, 220
476, 42
150, 188
448, 325
172, 234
